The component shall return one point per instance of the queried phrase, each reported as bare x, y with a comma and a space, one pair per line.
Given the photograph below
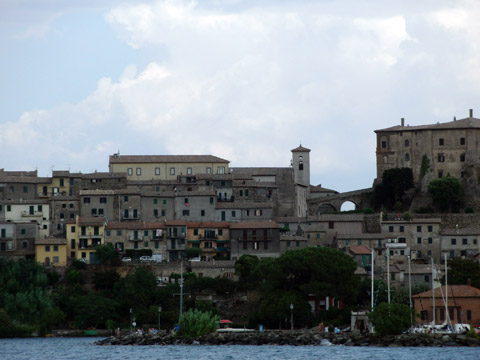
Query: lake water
76, 348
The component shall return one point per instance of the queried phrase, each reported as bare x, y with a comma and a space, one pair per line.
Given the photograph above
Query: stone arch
347, 205
325, 209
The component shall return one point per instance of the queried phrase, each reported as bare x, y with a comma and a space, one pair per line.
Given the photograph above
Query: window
220, 232
246, 192
163, 212
103, 200
157, 171
108, 232
119, 232
145, 244
23, 231
130, 171
258, 212
155, 212
139, 171
288, 243
186, 212
211, 200
402, 229
462, 157
331, 225
221, 170
462, 141
125, 198
1, 207
430, 240
100, 211
25, 189
453, 241
233, 214
72, 215
209, 170
94, 212
469, 314
72, 229
62, 216
429, 253
359, 242
407, 143
464, 241
155, 201
430, 228
70, 206
419, 228
390, 229
9, 207
47, 248
64, 206
125, 213
55, 248
452, 254
189, 171
419, 240
402, 240
202, 212
240, 192
384, 144
172, 171
25, 244
407, 157
86, 200
222, 183
441, 142
441, 157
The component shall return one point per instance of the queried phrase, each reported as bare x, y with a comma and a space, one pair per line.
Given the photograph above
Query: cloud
247, 85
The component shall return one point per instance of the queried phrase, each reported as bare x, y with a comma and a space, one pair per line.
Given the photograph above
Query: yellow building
166, 167
58, 184
51, 251
212, 237
83, 235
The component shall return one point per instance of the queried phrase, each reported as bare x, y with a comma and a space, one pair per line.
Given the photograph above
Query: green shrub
391, 319
196, 323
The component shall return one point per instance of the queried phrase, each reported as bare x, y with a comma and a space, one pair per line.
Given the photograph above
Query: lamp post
291, 317
131, 312
159, 311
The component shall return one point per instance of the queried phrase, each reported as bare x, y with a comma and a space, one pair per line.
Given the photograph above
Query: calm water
76, 348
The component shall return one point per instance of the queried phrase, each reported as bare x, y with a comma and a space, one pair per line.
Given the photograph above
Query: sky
243, 80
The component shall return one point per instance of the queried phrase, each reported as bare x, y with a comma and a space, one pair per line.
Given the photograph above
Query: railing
28, 214
135, 238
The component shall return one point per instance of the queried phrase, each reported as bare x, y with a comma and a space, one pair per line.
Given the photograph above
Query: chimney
402, 122
471, 113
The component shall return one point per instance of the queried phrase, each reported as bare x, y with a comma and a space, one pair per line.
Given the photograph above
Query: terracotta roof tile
360, 250
125, 159
453, 291
254, 225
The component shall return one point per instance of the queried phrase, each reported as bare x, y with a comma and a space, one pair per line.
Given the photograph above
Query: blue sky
243, 80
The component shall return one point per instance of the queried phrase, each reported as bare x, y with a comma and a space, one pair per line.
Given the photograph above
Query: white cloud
248, 86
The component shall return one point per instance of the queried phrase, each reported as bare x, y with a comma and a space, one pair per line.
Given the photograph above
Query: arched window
407, 157
407, 143
300, 163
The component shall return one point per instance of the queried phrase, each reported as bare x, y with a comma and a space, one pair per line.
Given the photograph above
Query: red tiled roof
360, 250
123, 159
453, 291
254, 225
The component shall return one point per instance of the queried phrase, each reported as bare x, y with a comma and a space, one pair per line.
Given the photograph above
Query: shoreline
297, 338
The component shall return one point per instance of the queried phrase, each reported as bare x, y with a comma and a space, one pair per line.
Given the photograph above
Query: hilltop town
158, 209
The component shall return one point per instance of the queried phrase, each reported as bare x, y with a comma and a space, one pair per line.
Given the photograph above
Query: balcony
35, 214
135, 237
225, 198
89, 236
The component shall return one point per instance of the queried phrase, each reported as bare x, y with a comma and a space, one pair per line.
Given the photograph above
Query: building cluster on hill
167, 204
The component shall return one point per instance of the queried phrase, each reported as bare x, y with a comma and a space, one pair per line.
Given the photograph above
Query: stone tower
301, 165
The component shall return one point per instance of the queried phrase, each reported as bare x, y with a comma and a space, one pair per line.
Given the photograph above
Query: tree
192, 252
107, 255
393, 186
446, 193
244, 269
391, 319
463, 272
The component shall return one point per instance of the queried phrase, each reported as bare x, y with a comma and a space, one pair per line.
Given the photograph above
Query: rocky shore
297, 338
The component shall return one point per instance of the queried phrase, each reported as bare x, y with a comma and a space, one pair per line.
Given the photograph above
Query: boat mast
372, 275
181, 291
447, 315
410, 289
433, 291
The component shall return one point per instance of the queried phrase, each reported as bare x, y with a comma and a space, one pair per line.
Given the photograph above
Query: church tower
301, 165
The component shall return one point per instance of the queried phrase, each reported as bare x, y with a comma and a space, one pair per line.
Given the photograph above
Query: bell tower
301, 165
